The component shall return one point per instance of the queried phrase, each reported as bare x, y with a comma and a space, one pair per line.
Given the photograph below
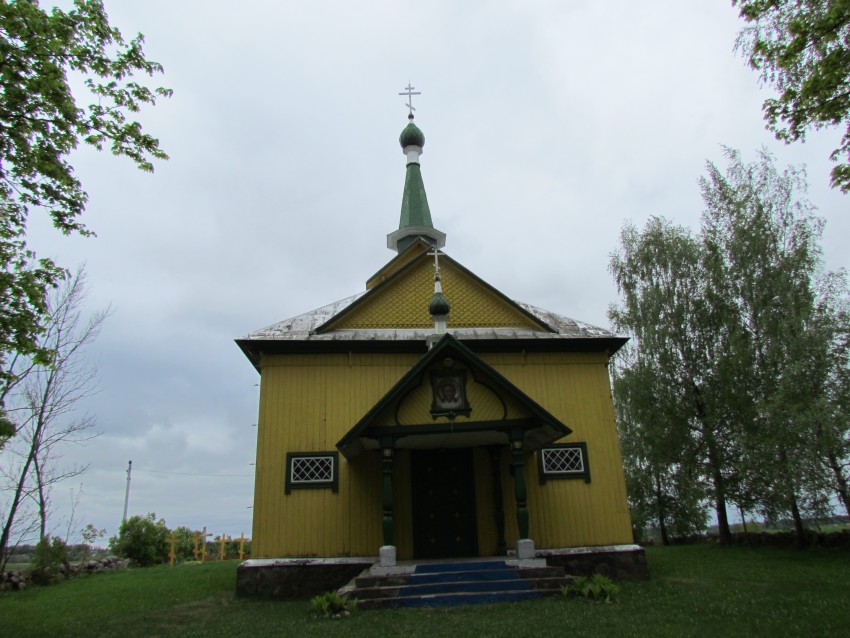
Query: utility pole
127, 493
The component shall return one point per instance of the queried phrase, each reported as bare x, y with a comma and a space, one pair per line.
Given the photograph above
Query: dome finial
415, 220
409, 92
439, 306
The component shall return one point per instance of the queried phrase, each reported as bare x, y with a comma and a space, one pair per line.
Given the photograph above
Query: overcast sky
548, 124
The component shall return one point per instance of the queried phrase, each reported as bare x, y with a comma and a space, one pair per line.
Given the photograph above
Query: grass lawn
695, 591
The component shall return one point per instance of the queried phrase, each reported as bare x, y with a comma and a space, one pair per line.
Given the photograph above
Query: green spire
414, 202
415, 220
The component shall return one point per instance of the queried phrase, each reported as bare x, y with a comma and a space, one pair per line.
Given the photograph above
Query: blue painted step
505, 573
468, 599
463, 587
470, 566
434, 584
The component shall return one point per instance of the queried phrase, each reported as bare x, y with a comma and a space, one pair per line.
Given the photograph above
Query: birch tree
762, 242
44, 400
667, 310
663, 485
744, 340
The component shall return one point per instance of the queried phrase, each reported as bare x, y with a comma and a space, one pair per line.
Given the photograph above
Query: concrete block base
525, 549
386, 556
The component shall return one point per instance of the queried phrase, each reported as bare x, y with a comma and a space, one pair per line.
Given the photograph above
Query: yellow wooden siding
308, 402
404, 304
397, 264
575, 388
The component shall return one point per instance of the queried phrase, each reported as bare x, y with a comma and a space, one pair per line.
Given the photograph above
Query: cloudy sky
548, 125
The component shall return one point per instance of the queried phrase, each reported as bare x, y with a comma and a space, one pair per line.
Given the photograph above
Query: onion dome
439, 305
411, 136
438, 308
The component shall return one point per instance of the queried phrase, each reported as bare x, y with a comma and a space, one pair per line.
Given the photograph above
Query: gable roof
324, 330
400, 301
541, 428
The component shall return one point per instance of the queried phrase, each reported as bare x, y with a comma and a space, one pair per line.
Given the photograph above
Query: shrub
49, 560
142, 539
597, 588
184, 546
332, 605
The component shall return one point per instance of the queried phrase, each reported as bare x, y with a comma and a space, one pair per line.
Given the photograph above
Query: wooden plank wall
308, 402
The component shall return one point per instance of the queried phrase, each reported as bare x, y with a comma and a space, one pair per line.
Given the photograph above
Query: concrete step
455, 583
460, 598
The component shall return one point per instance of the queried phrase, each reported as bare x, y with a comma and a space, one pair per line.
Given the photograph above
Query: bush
597, 588
184, 546
142, 539
332, 605
49, 560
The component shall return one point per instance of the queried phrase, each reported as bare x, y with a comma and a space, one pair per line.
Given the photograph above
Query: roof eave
254, 348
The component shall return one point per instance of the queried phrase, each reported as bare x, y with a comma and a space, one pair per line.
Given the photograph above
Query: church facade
430, 416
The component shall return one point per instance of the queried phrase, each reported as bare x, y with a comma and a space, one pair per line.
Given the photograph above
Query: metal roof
302, 328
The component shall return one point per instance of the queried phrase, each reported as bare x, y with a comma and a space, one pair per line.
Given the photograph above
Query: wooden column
387, 491
520, 490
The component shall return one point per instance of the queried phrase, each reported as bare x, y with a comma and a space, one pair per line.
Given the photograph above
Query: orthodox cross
409, 92
436, 254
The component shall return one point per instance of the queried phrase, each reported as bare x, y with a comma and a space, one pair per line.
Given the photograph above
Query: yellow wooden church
430, 416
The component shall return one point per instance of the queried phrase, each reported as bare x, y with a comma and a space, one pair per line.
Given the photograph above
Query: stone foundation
296, 577
618, 562
305, 577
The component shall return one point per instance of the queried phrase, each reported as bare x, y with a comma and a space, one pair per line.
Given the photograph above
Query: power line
138, 469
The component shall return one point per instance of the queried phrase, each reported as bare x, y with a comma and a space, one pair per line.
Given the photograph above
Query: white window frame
548, 473
294, 459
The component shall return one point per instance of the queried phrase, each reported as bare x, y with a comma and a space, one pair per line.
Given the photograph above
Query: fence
220, 546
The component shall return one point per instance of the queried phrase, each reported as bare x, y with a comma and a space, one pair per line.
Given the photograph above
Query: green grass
694, 591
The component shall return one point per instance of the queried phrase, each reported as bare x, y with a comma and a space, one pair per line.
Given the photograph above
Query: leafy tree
674, 390
762, 242
739, 375
41, 123
802, 49
663, 487
142, 539
828, 383
7, 428
90, 535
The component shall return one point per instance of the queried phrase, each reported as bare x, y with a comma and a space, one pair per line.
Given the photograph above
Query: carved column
387, 491
520, 490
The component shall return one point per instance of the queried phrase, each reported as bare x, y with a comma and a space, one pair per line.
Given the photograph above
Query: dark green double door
443, 494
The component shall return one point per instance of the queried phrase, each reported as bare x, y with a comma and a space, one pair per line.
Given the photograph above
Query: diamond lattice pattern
404, 304
312, 469
567, 460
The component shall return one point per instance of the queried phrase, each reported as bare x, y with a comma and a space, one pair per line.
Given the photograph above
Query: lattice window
311, 469
563, 461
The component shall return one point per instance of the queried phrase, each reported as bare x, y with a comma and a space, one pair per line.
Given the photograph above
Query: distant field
697, 590
16, 566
